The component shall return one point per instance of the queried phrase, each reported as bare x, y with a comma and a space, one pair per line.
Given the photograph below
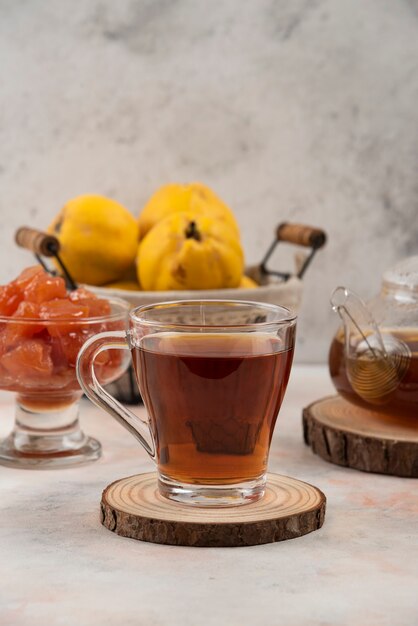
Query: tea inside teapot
373, 358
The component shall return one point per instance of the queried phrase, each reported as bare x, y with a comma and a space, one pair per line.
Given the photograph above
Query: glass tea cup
212, 374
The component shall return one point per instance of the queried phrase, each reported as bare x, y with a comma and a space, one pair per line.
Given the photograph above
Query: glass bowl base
68, 456
47, 439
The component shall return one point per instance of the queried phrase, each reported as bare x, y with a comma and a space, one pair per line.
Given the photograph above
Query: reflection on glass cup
212, 375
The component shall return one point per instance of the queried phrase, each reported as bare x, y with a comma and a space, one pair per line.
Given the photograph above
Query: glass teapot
373, 358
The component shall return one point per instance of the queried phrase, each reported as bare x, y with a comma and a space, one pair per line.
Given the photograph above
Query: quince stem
192, 232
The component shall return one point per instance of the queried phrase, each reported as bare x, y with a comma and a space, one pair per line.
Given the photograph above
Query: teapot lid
403, 275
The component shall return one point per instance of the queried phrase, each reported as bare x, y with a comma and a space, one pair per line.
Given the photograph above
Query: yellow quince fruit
98, 237
125, 285
189, 251
247, 283
180, 198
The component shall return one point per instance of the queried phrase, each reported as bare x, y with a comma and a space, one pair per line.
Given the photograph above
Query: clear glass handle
87, 378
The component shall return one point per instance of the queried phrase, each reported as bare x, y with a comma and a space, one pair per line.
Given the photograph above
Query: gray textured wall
291, 110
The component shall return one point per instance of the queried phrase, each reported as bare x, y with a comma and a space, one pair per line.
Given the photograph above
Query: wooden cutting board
348, 435
132, 507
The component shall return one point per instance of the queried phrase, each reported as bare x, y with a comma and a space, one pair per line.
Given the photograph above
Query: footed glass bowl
37, 362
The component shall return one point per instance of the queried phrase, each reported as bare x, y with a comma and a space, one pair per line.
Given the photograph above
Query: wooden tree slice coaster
348, 435
132, 507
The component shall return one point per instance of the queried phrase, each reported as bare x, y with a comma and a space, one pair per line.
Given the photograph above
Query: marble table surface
59, 566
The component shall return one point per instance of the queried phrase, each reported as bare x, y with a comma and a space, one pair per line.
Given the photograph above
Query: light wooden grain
132, 507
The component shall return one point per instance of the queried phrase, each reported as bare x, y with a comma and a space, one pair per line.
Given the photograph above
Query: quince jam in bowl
42, 328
